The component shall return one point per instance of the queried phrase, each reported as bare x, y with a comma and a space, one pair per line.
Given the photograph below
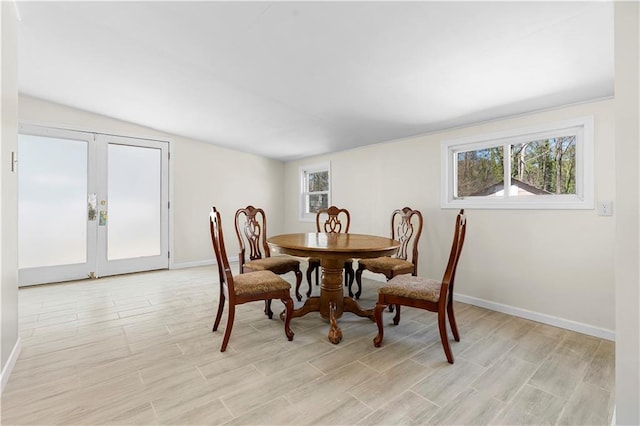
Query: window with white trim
541, 167
315, 190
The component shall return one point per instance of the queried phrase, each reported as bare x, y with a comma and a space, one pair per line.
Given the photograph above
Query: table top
320, 244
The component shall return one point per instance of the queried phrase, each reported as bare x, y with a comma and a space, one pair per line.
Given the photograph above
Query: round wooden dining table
333, 249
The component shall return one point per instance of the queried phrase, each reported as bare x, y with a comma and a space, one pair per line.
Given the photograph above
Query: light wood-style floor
138, 349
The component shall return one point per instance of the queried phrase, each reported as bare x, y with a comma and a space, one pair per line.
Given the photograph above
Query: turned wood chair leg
310, 270
396, 317
298, 282
452, 321
377, 314
391, 306
227, 331
359, 282
288, 305
267, 308
442, 325
219, 314
349, 274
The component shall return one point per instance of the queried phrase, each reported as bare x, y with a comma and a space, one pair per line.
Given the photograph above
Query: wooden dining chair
406, 227
331, 220
251, 230
425, 293
248, 287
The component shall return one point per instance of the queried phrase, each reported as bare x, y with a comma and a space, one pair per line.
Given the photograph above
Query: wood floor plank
531, 407
560, 374
407, 408
601, 371
333, 386
505, 378
589, 405
468, 407
444, 384
385, 386
138, 349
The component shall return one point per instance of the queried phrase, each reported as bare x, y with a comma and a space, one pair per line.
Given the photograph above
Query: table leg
332, 301
335, 334
351, 305
331, 288
312, 304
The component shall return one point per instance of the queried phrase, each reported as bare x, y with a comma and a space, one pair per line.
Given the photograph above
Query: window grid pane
480, 172
544, 167
318, 181
316, 202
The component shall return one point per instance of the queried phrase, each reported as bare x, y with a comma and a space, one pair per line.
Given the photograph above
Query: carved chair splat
406, 228
254, 255
332, 220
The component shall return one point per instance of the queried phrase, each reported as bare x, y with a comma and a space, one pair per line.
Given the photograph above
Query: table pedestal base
312, 304
332, 302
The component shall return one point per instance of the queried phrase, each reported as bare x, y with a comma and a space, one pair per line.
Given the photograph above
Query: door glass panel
134, 197
52, 201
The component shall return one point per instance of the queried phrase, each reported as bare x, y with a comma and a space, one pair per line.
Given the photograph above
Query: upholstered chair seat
259, 282
381, 265
411, 287
277, 264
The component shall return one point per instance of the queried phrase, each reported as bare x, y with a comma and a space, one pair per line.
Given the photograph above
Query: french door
90, 205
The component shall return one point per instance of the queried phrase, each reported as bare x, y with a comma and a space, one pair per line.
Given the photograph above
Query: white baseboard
613, 418
523, 313
196, 263
11, 362
538, 317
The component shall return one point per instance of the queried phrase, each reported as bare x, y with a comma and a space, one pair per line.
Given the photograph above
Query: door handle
103, 218
92, 204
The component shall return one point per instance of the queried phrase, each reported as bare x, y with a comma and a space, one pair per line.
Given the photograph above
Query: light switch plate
605, 208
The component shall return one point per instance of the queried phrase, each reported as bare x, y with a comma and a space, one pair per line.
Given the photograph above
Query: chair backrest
456, 248
251, 229
406, 227
333, 220
224, 270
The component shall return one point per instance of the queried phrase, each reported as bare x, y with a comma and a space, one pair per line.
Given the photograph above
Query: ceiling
288, 80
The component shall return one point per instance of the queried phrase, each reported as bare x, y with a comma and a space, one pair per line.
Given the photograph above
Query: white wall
202, 175
206, 175
558, 263
627, 109
9, 343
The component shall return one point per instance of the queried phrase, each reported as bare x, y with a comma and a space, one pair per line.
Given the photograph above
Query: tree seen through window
545, 166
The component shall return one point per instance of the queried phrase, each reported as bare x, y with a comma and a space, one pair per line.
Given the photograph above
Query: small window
538, 168
315, 190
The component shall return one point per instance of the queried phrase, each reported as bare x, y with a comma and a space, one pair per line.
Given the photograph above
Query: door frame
30, 276
104, 266
67, 272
